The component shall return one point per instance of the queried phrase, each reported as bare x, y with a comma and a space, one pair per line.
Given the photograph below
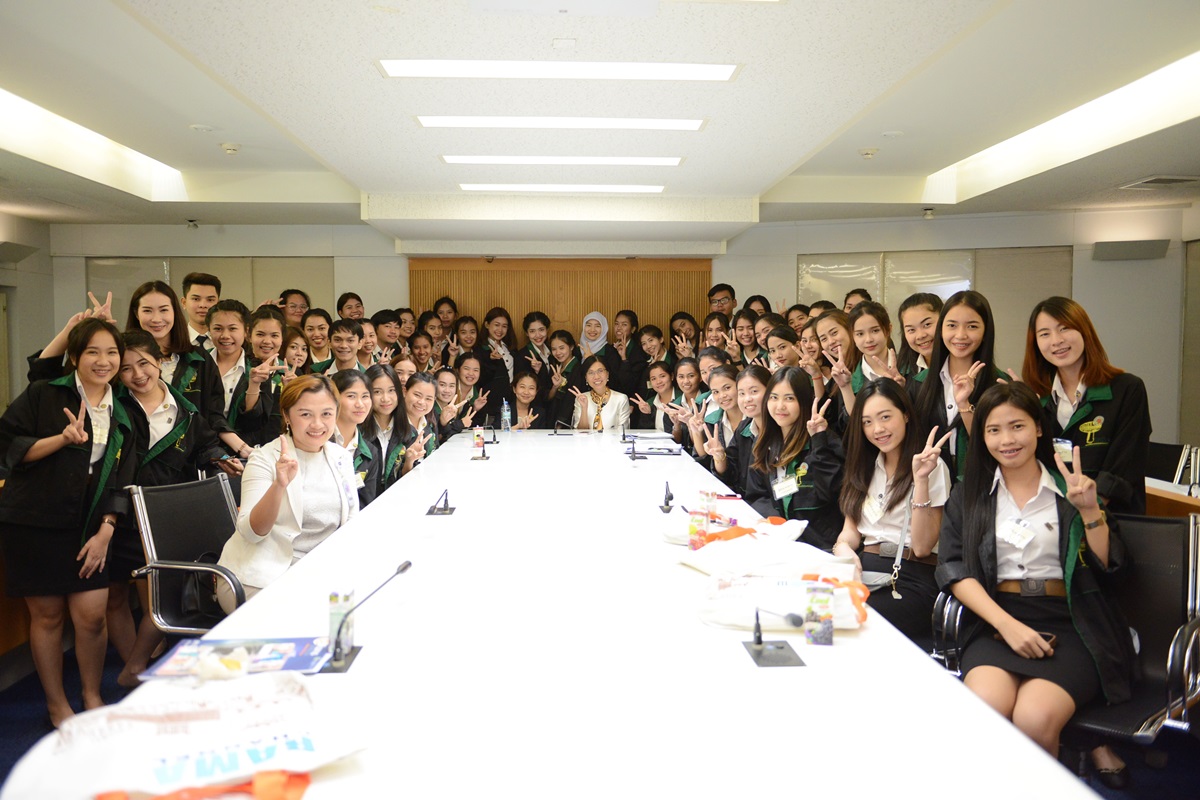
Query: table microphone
493, 430
482, 455
626, 439
437, 511
339, 653
558, 423
633, 453
667, 498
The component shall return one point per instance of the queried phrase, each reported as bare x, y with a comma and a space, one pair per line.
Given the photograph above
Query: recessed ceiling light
613, 188
555, 70
572, 161
575, 123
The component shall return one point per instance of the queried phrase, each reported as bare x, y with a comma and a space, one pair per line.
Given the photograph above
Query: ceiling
325, 138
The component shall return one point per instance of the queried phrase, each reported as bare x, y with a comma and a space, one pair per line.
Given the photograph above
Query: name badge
872, 509
1065, 449
1016, 532
785, 487
360, 480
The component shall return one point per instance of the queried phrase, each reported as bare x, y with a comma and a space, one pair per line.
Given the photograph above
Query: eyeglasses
721, 301
597, 373
296, 307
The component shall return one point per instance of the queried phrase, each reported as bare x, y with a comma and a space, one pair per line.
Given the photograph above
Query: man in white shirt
201, 292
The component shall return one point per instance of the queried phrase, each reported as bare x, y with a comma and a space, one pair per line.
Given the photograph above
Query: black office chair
1159, 595
1167, 462
183, 527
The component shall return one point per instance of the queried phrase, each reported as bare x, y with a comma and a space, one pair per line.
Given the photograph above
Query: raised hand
965, 384
102, 310
289, 373
525, 423
580, 398
674, 413
416, 450
621, 345
495, 353
926, 461
556, 376
481, 401
452, 348
817, 421
586, 351
732, 347
1081, 490
264, 371
449, 412
811, 366
1013, 376
838, 369
386, 355
888, 368
287, 467
75, 433
534, 363
712, 445
469, 417
641, 404
683, 348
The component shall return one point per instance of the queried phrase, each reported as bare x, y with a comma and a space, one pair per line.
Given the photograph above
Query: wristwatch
1091, 526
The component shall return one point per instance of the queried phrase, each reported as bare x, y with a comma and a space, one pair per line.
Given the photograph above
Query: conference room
406, 151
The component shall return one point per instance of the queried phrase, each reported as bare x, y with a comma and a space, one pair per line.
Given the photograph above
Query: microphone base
773, 654
439, 511
666, 509
480, 458
636, 457
345, 664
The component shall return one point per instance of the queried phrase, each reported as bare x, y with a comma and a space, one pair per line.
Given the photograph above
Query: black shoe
1115, 778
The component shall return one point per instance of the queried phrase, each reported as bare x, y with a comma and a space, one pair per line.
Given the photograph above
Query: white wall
30, 288
1137, 306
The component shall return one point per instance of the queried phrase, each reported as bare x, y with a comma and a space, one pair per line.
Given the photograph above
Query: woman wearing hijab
593, 341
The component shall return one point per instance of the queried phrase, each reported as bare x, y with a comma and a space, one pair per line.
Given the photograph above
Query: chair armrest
196, 566
947, 622
1183, 674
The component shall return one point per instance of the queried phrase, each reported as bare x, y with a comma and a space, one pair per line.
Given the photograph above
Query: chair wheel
1156, 759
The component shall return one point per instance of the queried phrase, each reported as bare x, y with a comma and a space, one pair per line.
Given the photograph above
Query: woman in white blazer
600, 408
296, 490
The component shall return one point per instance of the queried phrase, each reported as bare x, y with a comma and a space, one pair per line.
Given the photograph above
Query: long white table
546, 643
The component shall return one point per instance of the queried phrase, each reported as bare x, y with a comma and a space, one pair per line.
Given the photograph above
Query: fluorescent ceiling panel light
613, 188
564, 123
568, 161
555, 70
33, 132
1157, 101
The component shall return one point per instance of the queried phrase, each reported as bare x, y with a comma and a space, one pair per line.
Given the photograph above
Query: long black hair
980, 512
861, 452
906, 357
931, 395
772, 449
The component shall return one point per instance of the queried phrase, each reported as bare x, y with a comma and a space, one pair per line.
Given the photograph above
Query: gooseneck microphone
558, 423
633, 453
667, 498
445, 508
339, 651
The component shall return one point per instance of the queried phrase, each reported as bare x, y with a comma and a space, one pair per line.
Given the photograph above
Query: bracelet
926, 504
107, 521
968, 410
1091, 526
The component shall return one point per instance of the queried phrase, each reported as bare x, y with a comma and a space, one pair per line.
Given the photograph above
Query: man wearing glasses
722, 298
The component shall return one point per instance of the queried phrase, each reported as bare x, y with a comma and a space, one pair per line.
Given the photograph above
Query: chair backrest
1158, 591
182, 522
1166, 462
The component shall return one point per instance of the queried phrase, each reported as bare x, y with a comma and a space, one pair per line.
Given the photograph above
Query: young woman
407, 321
687, 380
296, 491
960, 371
713, 435
246, 412
797, 468
894, 488
716, 330
368, 344
471, 397
451, 414
797, 315
170, 442
812, 360
758, 304
918, 320
763, 325
524, 413
594, 342
685, 335
387, 419
751, 393
421, 346
267, 374
464, 339
1024, 547
429, 323
447, 312
316, 324
853, 298
350, 306
1087, 401
294, 304
837, 345
498, 361
655, 413
295, 354
565, 375
354, 408
872, 327
783, 346
627, 346
710, 358
405, 367
420, 437
535, 356
600, 408
744, 347
67, 448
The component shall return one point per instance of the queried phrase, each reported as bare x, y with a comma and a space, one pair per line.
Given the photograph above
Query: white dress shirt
1027, 538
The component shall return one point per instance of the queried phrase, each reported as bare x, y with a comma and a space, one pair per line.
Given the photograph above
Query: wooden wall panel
565, 289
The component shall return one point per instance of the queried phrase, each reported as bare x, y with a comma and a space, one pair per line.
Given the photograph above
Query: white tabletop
546, 643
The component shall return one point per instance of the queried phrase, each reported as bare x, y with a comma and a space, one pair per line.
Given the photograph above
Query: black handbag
199, 594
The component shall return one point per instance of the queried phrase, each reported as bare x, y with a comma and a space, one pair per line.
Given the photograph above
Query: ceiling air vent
1161, 182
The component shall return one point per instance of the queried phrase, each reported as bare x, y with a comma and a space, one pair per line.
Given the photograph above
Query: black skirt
42, 562
1071, 667
912, 614
125, 554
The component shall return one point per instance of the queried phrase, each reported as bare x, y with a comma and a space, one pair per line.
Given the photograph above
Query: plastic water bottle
505, 421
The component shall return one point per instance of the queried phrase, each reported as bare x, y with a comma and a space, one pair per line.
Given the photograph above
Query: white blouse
614, 415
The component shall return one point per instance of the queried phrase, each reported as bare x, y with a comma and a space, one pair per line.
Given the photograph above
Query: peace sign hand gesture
416, 450
525, 423
556, 375
887, 369
817, 422
469, 417
926, 461
1081, 490
965, 384
289, 373
621, 345
287, 467
75, 433
838, 370
386, 355
535, 363
683, 348
580, 398
102, 310
641, 404
732, 347
481, 401
452, 349
712, 445
449, 412
263, 371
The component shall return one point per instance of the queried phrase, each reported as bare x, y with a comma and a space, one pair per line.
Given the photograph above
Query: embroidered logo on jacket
1091, 429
